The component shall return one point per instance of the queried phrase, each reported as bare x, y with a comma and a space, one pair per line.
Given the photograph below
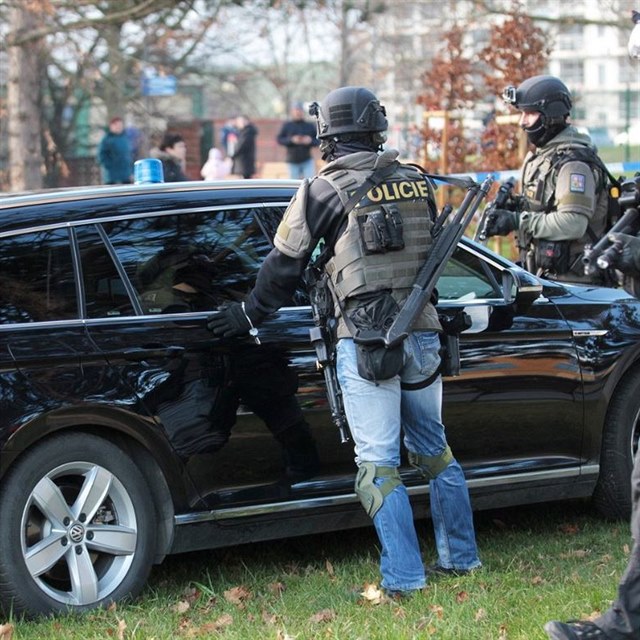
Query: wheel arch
133, 435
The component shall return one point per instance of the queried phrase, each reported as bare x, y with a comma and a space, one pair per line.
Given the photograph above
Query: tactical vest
363, 263
539, 179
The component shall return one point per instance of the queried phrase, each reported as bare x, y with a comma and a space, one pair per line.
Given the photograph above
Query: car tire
77, 527
612, 496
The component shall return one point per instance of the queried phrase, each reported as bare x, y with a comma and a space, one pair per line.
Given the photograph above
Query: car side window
105, 293
37, 278
190, 261
468, 276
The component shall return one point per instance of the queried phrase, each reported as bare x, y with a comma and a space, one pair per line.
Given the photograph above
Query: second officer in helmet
564, 183
374, 216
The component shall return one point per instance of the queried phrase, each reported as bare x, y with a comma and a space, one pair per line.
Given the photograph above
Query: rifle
604, 253
445, 241
323, 338
500, 202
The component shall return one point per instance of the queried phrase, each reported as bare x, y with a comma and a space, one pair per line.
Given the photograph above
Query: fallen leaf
400, 613
569, 529
461, 596
372, 594
481, 614
182, 607
283, 635
6, 631
503, 632
223, 621
326, 615
276, 588
113, 606
426, 624
438, 610
536, 580
122, 625
191, 594
237, 595
269, 618
329, 568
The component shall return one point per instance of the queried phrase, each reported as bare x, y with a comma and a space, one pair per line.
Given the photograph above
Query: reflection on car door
519, 394
174, 270
41, 330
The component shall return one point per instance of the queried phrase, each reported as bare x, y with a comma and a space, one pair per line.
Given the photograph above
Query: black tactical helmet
349, 110
545, 94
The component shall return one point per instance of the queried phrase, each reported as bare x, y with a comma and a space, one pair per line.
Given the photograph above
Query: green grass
543, 562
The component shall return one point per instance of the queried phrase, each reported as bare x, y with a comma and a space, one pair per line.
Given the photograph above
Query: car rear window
37, 278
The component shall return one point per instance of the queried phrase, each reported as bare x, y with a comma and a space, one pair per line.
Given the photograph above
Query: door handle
153, 352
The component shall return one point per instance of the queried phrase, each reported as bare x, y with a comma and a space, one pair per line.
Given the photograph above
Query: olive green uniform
565, 203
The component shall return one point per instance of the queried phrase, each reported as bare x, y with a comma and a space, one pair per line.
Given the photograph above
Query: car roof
56, 206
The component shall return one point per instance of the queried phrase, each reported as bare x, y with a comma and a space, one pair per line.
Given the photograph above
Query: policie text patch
576, 182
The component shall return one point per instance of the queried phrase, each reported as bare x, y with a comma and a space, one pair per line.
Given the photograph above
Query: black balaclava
337, 147
541, 132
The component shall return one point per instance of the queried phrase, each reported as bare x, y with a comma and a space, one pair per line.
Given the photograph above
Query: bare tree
23, 101
517, 50
448, 89
32, 27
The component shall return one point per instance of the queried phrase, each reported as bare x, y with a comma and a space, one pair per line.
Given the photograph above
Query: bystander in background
217, 167
172, 153
299, 137
244, 155
114, 154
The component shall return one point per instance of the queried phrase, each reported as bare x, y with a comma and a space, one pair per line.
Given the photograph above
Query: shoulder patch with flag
576, 182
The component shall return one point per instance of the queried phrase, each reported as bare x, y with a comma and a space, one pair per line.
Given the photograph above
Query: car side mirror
520, 288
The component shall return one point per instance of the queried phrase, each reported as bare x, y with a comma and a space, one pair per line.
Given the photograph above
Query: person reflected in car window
199, 412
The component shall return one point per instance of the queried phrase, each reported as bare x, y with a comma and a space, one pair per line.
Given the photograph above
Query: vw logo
76, 533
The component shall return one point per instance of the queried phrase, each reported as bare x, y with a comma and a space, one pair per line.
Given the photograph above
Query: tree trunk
23, 106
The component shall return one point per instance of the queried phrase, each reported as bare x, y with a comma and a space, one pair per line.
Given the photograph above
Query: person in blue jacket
114, 154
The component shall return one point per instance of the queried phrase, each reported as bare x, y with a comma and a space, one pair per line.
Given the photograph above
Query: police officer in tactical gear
565, 199
375, 250
622, 619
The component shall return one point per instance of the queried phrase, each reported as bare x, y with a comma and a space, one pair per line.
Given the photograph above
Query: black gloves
231, 320
628, 247
501, 222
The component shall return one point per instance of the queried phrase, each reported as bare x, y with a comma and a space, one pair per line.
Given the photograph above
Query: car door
517, 405
150, 283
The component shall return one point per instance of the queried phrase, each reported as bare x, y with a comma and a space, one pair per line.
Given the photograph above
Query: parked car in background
123, 437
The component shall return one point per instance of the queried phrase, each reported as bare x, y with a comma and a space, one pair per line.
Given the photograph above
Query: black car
127, 431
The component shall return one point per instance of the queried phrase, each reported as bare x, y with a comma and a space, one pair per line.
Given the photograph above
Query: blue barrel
147, 171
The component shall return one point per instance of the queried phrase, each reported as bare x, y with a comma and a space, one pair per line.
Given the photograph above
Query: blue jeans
300, 170
379, 414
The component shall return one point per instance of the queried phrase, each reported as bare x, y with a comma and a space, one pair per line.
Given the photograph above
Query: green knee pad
431, 466
370, 495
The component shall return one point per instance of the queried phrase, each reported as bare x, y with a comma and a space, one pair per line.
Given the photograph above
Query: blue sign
159, 85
